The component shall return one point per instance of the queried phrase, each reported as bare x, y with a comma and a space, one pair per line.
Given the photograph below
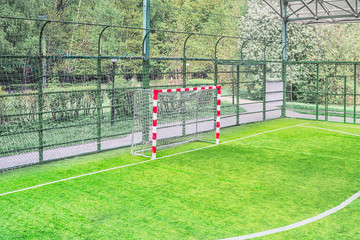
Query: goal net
169, 117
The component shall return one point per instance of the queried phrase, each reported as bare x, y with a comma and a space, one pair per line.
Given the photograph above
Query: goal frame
155, 108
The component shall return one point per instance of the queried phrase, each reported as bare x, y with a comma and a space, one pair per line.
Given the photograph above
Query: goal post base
153, 156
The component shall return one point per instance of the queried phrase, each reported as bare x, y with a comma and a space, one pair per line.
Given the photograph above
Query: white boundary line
301, 223
133, 164
337, 125
70, 178
332, 130
309, 220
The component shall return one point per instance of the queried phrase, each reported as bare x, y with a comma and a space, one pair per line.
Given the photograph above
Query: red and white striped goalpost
155, 110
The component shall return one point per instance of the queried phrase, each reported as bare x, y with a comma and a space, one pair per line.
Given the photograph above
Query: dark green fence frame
239, 68
352, 76
146, 62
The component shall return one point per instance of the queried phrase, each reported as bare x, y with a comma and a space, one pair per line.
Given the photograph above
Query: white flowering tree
262, 26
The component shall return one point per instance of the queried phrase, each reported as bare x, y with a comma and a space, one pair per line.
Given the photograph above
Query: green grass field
263, 176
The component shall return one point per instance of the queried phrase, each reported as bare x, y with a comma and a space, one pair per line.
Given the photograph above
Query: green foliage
3, 106
66, 103
17, 111
121, 98
22, 37
193, 16
260, 22
340, 42
17, 36
62, 103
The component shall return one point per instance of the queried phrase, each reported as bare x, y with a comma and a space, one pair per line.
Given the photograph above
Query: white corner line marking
309, 220
70, 178
133, 164
332, 130
301, 223
337, 125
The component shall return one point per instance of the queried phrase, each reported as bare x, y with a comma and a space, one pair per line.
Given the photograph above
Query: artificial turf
248, 185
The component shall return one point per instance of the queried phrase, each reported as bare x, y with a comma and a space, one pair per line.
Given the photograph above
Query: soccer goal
166, 118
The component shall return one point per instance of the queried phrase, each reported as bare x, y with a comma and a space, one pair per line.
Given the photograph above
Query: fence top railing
219, 37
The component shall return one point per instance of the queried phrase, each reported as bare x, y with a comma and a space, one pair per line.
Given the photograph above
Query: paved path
68, 151
253, 114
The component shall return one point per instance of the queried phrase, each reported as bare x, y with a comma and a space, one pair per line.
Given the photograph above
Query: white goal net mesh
181, 117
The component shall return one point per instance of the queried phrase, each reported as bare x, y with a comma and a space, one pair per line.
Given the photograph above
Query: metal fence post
284, 54
355, 92
345, 80
264, 92
41, 109
326, 98
98, 93
146, 75
98, 105
283, 109
145, 82
237, 94
232, 84
184, 73
215, 72
183, 120
317, 91
40, 95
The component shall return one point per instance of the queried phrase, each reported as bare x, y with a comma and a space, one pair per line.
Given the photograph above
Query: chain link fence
327, 91
67, 89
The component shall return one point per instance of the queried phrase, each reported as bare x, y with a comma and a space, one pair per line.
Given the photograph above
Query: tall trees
261, 23
17, 36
